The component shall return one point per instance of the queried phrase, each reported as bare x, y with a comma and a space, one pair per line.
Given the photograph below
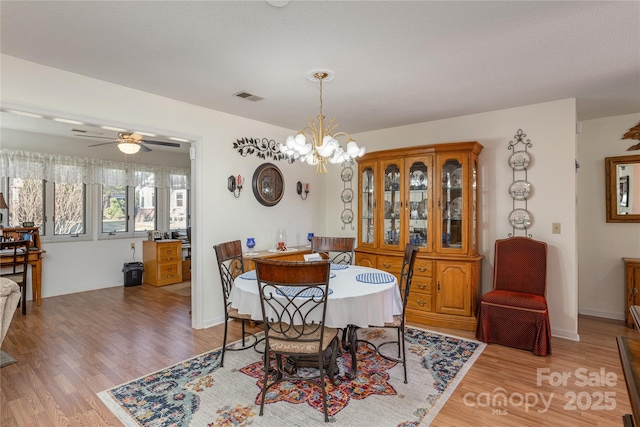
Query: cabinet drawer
169, 270
419, 301
391, 264
366, 260
421, 284
423, 267
169, 252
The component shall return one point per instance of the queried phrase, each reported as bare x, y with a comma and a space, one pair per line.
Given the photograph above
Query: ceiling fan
131, 143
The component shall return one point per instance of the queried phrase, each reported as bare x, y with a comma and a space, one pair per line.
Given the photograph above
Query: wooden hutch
426, 196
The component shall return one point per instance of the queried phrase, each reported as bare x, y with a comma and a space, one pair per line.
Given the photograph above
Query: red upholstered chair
515, 312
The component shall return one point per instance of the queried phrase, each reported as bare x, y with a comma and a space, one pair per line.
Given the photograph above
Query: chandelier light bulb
352, 148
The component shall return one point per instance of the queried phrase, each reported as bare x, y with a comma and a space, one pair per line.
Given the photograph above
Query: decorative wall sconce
299, 189
235, 185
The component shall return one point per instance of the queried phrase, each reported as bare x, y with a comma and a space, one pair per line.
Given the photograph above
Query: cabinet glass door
451, 204
367, 206
474, 204
418, 202
392, 207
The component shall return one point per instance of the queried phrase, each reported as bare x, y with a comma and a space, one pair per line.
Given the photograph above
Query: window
26, 202
71, 196
178, 203
114, 209
69, 209
145, 209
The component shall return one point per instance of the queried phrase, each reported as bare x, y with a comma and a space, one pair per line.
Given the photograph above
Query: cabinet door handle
634, 291
385, 265
421, 303
422, 269
421, 287
438, 286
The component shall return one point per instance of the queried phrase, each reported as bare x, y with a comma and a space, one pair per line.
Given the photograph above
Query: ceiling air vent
88, 132
248, 96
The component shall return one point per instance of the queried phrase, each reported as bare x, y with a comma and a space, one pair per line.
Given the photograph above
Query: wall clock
268, 184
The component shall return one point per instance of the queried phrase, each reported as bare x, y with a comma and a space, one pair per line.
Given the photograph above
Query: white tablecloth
350, 303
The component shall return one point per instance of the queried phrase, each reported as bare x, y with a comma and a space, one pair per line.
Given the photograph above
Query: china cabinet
426, 196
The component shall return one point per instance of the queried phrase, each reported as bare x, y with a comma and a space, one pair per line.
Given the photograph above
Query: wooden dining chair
15, 257
293, 297
339, 250
231, 265
398, 323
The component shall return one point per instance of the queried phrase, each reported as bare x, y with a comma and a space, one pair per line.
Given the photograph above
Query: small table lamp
3, 205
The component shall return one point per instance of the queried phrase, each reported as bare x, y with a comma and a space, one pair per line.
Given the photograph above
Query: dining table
359, 297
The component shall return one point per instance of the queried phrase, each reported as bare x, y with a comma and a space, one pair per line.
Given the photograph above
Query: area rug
197, 392
6, 359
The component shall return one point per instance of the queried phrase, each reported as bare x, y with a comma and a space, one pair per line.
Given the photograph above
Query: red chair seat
515, 299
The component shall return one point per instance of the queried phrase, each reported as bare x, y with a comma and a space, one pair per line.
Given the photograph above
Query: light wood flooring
74, 346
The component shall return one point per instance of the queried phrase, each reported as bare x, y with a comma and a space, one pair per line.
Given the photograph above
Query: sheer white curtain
76, 170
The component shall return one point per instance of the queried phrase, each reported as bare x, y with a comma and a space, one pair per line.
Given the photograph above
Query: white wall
602, 244
219, 217
551, 128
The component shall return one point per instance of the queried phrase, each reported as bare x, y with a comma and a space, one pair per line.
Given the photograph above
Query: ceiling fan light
129, 147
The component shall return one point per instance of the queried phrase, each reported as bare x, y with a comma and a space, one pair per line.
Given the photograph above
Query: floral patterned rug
197, 392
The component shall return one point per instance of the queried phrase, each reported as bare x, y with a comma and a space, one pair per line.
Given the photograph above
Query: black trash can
132, 273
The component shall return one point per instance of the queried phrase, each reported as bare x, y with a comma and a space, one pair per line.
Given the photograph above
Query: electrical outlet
555, 228
133, 246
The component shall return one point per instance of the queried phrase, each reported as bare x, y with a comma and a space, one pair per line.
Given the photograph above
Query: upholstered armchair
9, 298
515, 312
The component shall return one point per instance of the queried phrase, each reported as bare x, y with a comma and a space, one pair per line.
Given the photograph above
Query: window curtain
77, 170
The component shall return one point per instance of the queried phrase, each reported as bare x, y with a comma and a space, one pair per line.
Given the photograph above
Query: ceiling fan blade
166, 144
144, 147
93, 136
135, 136
104, 143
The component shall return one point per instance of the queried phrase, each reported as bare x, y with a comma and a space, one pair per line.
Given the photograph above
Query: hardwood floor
74, 346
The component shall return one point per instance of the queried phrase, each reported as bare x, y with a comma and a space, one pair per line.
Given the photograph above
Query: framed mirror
622, 176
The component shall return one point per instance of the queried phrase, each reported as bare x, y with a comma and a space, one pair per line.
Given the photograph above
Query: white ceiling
396, 63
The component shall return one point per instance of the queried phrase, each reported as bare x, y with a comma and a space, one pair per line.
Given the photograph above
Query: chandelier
324, 146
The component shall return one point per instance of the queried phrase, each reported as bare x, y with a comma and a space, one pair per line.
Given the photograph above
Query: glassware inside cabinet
392, 205
452, 204
368, 206
418, 203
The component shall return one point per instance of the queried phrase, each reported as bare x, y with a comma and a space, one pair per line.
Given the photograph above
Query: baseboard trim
213, 322
601, 313
564, 334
